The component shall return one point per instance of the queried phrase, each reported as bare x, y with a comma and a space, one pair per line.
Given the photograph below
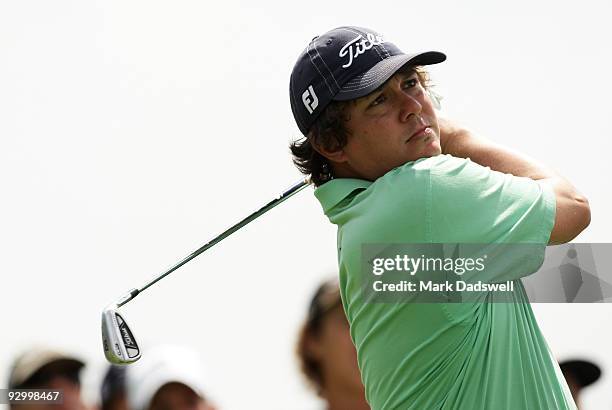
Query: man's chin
432, 149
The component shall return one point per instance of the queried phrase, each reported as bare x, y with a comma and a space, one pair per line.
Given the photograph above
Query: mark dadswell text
431, 286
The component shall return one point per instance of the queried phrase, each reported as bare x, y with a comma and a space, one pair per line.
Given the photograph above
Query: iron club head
119, 344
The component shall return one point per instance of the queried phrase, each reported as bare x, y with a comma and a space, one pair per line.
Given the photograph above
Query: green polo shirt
446, 355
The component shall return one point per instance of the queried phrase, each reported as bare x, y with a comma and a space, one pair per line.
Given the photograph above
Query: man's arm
573, 213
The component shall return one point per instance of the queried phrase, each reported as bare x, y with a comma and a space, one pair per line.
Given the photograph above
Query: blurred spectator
166, 378
579, 374
112, 394
42, 368
326, 352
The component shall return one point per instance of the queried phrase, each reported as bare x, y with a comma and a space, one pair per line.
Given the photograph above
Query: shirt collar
333, 192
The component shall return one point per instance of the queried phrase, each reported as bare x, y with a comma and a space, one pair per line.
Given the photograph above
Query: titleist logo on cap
358, 46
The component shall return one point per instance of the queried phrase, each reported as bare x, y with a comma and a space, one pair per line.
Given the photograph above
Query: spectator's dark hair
330, 132
42, 377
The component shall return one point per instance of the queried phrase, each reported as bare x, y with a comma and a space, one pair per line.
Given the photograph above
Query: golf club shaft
294, 189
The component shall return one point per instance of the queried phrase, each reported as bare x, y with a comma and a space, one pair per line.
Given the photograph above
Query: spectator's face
72, 393
390, 127
119, 402
336, 354
574, 386
177, 396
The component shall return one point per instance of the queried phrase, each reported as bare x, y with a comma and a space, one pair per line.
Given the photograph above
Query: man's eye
411, 82
378, 100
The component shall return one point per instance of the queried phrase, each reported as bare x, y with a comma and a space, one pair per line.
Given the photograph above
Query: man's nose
408, 104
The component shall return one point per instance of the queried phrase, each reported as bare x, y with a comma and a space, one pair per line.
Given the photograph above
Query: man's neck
344, 171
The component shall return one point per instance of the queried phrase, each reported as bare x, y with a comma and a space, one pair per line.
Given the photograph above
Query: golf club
118, 341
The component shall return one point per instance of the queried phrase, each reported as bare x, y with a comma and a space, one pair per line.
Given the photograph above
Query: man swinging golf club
388, 171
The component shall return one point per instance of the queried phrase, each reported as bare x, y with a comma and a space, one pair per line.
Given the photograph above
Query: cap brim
39, 361
150, 388
370, 80
585, 372
163, 365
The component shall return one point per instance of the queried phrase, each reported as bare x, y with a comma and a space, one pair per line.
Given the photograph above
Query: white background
133, 132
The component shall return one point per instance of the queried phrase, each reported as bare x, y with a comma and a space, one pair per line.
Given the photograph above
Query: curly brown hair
330, 132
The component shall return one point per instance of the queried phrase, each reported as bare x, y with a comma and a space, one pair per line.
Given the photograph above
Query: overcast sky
131, 132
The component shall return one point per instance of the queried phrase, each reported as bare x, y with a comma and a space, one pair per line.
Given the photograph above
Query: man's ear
333, 154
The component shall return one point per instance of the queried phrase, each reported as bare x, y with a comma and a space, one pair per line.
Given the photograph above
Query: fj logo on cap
310, 100
359, 45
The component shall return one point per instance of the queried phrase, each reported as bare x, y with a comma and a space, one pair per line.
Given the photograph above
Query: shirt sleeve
473, 204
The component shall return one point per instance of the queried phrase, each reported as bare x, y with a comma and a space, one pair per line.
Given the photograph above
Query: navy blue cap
343, 64
583, 371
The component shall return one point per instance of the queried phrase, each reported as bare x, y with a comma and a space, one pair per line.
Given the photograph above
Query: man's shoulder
439, 165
